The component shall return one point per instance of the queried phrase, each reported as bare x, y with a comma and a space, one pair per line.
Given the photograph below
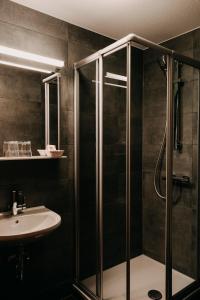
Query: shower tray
149, 274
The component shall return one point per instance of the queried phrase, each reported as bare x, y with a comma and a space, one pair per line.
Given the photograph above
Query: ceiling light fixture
31, 56
8, 63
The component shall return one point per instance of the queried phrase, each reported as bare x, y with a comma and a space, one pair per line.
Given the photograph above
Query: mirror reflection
22, 111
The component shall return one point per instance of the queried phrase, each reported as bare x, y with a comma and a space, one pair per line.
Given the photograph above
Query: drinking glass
5, 148
28, 151
21, 148
11, 149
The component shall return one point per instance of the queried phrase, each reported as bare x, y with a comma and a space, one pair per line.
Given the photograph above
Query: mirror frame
47, 82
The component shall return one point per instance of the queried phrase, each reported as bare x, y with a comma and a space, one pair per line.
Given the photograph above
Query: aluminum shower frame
127, 42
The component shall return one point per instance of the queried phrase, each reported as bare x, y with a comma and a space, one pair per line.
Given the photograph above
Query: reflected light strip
117, 85
31, 56
115, 76
7, 63
112, 84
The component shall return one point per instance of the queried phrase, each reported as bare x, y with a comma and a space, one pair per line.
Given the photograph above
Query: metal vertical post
47, 118
76, 165
128, 168
198, 182
98, 277
101, 177
169, 170
58, 112
47, 81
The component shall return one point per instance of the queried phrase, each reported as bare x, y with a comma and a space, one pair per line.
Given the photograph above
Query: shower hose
160, 158
158, 167
158, 171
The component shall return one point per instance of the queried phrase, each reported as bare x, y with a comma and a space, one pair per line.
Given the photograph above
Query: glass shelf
3, 158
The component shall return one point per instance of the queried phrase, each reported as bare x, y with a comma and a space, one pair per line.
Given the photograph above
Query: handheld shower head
162, 62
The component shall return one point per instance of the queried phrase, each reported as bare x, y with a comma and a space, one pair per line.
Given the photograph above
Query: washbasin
32, 223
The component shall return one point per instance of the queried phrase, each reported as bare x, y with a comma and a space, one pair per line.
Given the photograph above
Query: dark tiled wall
50, 270
154, 116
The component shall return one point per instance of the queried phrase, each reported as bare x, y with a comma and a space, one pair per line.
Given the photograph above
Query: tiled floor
146, 274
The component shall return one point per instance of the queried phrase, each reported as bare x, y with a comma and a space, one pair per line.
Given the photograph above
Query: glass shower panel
148, 266
87, 177
114, 175
185, 177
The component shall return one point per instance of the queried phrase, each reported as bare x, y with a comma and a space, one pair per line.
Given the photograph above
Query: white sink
31, 223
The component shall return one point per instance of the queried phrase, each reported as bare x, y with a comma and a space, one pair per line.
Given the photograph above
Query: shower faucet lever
183, 180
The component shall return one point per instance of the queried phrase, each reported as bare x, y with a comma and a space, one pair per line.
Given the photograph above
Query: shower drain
154, 294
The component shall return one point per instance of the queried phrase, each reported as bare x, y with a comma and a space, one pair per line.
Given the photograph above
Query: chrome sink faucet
18, 205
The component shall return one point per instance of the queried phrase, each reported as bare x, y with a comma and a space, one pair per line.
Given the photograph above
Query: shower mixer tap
17, 206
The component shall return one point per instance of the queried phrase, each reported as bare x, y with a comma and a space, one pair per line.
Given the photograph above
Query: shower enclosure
131, 244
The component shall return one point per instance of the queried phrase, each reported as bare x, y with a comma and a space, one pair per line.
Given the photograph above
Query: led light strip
115, 76
31, 56
7, 63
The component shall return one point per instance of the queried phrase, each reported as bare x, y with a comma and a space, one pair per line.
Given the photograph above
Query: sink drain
154, 294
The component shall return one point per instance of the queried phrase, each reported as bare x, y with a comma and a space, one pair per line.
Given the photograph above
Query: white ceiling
157, 20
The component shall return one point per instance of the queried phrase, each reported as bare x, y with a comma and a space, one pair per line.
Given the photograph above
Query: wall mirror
29, 107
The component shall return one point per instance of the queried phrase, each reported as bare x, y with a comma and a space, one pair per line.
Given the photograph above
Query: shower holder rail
183, 180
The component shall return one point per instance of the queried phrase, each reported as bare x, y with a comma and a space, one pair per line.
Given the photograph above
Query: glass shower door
87, 254
185, 227
114, 175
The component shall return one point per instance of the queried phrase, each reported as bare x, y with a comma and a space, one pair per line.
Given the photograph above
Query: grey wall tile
186, 122
153, 130
184, 238
22, 16
188, 95
182, 43
196, 95
90, 39
194, 128
196, 37
77, 52
188, 73
154, 102
150, 155
153, 76
183, 161
27, 40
